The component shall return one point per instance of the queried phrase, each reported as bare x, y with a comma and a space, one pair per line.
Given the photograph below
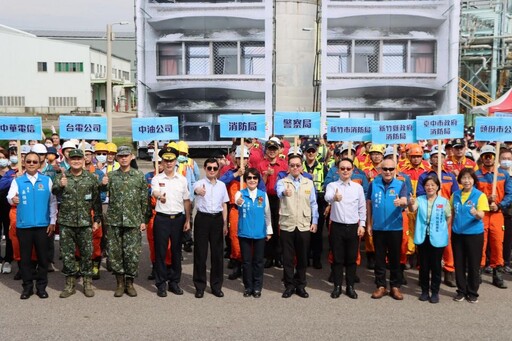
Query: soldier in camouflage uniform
126, 217
79, 193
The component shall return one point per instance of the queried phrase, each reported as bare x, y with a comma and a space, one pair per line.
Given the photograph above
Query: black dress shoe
351, 292
42, 294
336, 292
278, 263
199, 293
268, 263
302, 293
218, 293
26, 294
247, 293
288, 293
162, 292
256, 294
175, 289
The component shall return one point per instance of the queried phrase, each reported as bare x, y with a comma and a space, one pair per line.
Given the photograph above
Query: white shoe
6, 268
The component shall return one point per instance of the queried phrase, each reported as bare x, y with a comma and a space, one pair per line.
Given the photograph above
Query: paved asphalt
148, 317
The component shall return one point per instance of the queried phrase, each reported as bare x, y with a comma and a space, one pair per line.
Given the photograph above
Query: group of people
269, 203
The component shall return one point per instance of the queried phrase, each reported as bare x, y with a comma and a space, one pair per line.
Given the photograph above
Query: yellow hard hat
173, 145
182, 147
111, 147
377, 148
100, 146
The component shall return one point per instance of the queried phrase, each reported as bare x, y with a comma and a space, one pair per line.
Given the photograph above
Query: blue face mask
506, 164
4, 163
101, 158
426, 156
182, 158
13, 159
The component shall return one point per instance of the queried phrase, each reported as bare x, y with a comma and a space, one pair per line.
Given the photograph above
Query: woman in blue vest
431, 236
468, 207
254, 228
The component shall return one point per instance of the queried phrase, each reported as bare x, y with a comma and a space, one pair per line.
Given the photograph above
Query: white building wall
20, 77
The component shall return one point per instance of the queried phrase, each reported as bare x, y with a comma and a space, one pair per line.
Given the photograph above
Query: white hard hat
488, 149
389, 151
294, 150
344, 147
435, 150
238, 152
68, 144
39, 148
25, 149
88, 147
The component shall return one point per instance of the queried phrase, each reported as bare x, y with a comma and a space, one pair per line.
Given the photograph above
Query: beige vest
295, 211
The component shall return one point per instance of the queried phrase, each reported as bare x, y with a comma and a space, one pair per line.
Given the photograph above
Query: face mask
48, 145
13, 159
101, 158
182, 158
426, 156
4, 163
506, 164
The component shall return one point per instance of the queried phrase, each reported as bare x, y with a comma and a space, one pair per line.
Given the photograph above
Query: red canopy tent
502, 104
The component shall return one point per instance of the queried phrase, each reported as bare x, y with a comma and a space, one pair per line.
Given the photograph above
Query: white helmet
25, 149
238, 152
294, 150
68, 144
39, 148
88, 147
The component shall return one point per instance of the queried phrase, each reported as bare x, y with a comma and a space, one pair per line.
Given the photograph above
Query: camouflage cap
76, 153
124, 150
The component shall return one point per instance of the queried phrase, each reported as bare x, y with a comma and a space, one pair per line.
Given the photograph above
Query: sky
77, 15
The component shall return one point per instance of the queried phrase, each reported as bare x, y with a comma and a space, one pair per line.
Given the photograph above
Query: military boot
497, 278
69, 288
120, 286
95, 270
130, 290
88, 292
449, 279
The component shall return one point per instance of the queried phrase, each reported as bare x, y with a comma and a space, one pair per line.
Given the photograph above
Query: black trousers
317, 243
38, 238
467, 254
295, 245
273, 246
208, 229
4, 227
344, 244
507, 239
166, 229
252, 262
387, 244
430, 266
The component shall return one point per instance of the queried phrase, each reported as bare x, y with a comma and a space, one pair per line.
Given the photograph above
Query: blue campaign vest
251, 216
386, 217
463, 221
438, 232
34, 207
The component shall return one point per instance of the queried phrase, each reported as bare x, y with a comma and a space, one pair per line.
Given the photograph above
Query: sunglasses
31, 162
211, 168
294, 165
311, 151
386, 169
345, 168
252, 178
101, 153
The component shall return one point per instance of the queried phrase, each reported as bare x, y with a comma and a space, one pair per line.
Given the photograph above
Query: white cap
297, 151
238, 152
488, 149
39, 148
68, 144
25, 149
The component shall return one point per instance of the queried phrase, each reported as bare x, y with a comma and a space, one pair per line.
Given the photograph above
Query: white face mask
13, 159
101, 158
48, 145
506, 164
4, 163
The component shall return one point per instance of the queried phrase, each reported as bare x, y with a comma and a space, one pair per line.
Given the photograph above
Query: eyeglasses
386, 169
101, 153
210, 168
294, 165
345, 168
31, 162
252, 178
487, 156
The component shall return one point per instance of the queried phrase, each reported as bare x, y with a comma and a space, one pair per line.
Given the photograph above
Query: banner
155, 128
296, 123
83, 127
246, 126
493, 129
349, 129
20, 128
394, 132
439, 127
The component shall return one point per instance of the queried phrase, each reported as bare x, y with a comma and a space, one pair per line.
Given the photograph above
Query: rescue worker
459, 161
79, 193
